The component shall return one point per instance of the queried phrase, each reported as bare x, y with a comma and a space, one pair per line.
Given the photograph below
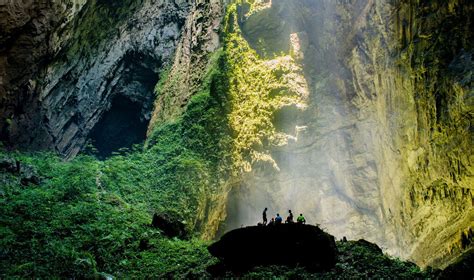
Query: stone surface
169, 225
200, 38
285, 244
461, 268
27, 173
95, 55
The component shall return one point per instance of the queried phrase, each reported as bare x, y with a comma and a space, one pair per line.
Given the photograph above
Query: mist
327, 170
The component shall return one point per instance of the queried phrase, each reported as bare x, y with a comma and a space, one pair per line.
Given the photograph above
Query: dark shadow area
286, 119
126, 121
288, 244
266, 32
120, 127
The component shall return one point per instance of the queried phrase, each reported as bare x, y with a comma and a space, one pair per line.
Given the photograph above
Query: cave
120, 127
126, 121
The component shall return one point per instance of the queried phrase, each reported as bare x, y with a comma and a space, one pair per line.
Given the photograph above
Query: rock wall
26, 40
200, 38
382, 150
96, 50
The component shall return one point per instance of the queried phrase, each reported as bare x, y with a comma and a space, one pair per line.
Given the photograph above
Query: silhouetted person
272, 222
278, 219
301, 219
289, 219
264, 215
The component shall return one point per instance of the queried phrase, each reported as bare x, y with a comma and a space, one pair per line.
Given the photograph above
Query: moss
257, 89
98, 21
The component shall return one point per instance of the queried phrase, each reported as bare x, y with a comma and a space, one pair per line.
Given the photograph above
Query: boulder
286, 244
10, 165
170, 226
461, 268
28, 174
370, 246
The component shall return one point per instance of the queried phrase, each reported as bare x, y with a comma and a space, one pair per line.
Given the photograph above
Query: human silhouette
301, 219
272, 222
289, 219
264, 216
278, 219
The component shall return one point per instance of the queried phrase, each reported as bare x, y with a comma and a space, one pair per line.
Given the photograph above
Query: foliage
257, 89
88, 217
98, 21
356, 261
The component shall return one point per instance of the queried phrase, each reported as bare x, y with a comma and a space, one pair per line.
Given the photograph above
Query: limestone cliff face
90, 53
383, 150
184, 78
200, 38
26, 40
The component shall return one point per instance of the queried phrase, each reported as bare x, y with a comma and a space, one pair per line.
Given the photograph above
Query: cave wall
421, 100
28, 38
196, 71
89, 52
383, 149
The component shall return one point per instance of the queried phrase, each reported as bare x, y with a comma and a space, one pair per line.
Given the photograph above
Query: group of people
279, 220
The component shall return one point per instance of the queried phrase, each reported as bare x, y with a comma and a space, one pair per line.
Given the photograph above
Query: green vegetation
86, 221
99, 20
356, 261
257, 89
87, 218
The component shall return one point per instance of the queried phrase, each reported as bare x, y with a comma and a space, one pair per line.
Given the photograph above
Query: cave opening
120, 127
126, 120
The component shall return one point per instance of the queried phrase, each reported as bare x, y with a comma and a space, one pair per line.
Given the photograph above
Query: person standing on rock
278, 219
264, 214
289, 219
301, 219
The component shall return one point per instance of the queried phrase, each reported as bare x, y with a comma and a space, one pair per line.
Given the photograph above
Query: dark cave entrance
120, 127
126, 121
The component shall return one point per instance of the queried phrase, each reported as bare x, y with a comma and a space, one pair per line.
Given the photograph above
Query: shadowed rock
370, 246
287, 244
28, 174
170, 226
462, 268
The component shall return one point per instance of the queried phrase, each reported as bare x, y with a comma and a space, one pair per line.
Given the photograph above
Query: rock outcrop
26, 173
170, 226
286, 244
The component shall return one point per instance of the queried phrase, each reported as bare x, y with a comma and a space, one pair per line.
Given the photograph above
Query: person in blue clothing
278, 219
